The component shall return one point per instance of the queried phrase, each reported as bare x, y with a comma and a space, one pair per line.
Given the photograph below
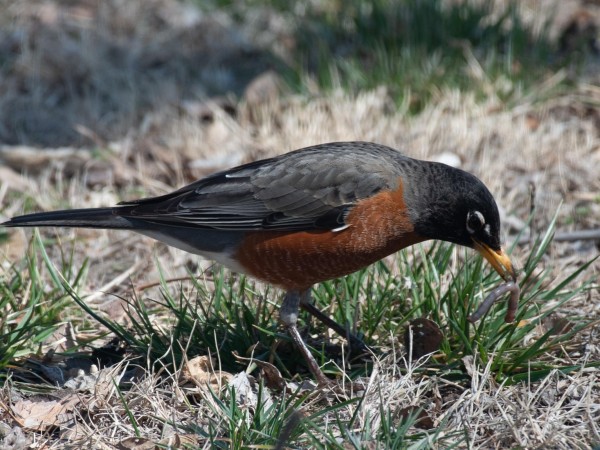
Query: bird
310, 215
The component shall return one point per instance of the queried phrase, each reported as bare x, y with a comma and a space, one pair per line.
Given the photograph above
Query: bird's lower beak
498, 259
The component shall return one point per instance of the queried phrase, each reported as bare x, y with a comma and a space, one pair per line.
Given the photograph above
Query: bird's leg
288, 314
307, 305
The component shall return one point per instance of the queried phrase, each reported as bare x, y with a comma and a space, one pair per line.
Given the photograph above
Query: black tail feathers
73, 218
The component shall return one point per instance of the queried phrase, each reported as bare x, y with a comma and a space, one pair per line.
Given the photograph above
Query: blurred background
84, 72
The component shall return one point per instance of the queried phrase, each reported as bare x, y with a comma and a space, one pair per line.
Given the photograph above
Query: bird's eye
475, 221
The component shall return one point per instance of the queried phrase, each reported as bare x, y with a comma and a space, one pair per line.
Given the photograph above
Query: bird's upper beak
498, 259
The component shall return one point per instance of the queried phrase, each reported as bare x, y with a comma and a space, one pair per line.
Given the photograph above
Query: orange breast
378, 226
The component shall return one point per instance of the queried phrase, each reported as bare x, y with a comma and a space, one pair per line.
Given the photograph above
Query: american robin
310, 215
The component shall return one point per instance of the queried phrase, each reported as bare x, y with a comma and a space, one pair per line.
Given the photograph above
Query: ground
108, 101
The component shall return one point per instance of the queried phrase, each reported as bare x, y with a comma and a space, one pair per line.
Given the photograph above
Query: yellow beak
498, 259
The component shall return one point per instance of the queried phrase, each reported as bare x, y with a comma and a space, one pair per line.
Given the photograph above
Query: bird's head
457, 207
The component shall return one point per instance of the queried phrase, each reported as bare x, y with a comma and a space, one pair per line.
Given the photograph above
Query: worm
513, 303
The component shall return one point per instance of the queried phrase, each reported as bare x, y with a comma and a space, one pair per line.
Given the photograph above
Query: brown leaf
271, 374
136, 443
426, 337
41, 415
424, 421
181, 441
557, 325
200, 370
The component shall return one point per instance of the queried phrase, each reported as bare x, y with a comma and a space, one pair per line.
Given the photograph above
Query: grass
237, 317
531, 384
31, 312
416, 48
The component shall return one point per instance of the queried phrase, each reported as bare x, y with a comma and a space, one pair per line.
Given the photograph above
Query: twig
532, 192
152, 284
143, 287
569, 236
114, 282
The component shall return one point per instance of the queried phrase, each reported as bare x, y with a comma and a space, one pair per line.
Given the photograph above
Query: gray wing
311, 188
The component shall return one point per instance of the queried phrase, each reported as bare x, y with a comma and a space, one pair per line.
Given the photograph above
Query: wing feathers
312, 188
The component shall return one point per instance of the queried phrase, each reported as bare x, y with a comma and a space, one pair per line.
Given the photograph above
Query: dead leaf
423, 421
243, 387
136, 443
44, 414
246, 391
102, 384
274, 379
12, 438
181, 441
271, 374
556, 325
200, 370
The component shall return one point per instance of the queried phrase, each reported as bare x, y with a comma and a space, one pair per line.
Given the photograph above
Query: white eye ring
473, 227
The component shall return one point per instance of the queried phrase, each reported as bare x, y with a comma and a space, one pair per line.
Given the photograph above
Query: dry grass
142, 141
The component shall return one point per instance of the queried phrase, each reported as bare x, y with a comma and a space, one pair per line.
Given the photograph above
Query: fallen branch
568, 236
